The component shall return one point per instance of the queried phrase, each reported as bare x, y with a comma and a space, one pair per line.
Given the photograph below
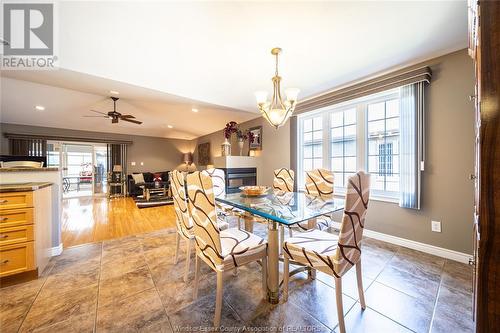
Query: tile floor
131, 284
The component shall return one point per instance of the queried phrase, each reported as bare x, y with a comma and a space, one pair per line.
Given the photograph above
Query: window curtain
411, 160
117, 155
28, 147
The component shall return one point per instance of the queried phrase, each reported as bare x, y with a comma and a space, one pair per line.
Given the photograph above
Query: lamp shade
187, 158
117, 168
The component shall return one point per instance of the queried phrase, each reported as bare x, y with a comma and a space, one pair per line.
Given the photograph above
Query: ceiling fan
114, 115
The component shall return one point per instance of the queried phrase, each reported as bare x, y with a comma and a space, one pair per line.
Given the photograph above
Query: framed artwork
204, 153
257, 141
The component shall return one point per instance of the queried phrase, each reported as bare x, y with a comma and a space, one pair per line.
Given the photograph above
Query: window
343, 145
360, 134
383, 143
312, 139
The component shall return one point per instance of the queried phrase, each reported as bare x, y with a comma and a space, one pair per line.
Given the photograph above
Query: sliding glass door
100, 169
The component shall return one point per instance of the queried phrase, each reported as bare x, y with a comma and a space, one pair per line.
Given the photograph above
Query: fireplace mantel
224, 162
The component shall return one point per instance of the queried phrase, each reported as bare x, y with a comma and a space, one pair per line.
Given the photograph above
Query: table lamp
188, 159
117, 172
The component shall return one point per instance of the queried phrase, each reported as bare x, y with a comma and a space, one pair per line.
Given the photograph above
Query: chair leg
286, 277
340, 307
311, 273
188, 259
196, 276
177, 245
290, 233
218, 300
235, 271
361, 291
239, 223
264, 277
282, 237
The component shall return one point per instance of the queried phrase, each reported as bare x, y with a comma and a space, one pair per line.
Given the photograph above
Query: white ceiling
216, 54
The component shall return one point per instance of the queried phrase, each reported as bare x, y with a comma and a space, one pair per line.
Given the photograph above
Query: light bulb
261, 96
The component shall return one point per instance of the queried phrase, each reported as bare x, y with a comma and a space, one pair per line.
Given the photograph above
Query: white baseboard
55, 251
414, 245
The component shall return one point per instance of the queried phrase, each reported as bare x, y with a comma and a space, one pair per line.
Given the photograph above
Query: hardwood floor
89, 220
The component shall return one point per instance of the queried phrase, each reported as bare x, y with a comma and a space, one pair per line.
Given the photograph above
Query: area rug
140, 202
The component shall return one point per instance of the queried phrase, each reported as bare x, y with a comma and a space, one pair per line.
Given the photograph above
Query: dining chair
221, 250
183, 221
219, 188
335, 254
283, 181
318, 182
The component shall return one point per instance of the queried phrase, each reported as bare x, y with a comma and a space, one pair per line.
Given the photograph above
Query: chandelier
277, 111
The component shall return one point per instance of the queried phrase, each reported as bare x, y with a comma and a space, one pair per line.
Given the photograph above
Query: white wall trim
414, 245
55, 251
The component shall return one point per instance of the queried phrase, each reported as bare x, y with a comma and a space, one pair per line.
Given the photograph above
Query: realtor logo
28, 29
28, 41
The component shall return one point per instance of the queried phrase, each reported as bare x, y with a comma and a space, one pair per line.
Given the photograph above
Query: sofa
134, 188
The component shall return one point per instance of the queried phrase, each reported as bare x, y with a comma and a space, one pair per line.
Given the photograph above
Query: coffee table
148, 193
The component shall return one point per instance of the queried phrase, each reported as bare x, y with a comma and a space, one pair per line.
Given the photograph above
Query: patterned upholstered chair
318, 182
183, 221
332, 254
283, 180
221, 250
219, 183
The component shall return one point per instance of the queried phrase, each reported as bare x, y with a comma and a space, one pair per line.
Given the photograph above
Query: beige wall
157, 154
446, 190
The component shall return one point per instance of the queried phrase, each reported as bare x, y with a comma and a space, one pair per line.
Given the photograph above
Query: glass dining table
285, 208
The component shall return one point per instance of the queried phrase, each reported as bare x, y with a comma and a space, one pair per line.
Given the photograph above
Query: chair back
319, 182
283, 180
183, 222
201, 202
218, 181
353, 221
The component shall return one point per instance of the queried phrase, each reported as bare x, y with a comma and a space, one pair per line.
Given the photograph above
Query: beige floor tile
51, 310
122, 286
142, 312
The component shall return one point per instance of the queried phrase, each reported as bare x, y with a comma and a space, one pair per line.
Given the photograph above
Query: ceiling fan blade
99, 112
127, 116
132, 121
95, 116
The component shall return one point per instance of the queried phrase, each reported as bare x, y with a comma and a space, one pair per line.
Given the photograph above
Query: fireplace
236, 177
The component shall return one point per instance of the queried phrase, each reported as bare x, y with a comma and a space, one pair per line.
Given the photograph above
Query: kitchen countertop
29, 169
23, 187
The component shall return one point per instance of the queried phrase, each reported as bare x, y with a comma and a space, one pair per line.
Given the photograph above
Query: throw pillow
157, 177
138, 178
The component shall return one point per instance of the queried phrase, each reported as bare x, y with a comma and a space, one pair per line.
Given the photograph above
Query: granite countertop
23, 187
29, 169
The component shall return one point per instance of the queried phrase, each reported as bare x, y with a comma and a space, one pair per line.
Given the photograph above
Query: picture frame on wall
204, 153
257, 142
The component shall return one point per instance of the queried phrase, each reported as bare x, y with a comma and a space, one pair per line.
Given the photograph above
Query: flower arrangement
232, 127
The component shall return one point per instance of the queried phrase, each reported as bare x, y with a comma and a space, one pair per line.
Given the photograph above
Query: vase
240, 145
226, 148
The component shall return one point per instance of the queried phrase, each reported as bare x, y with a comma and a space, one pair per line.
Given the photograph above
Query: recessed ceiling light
39, 108
114, 92
170, 126
194, 110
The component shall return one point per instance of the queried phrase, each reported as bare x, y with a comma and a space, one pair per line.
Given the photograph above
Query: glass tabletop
284, 207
